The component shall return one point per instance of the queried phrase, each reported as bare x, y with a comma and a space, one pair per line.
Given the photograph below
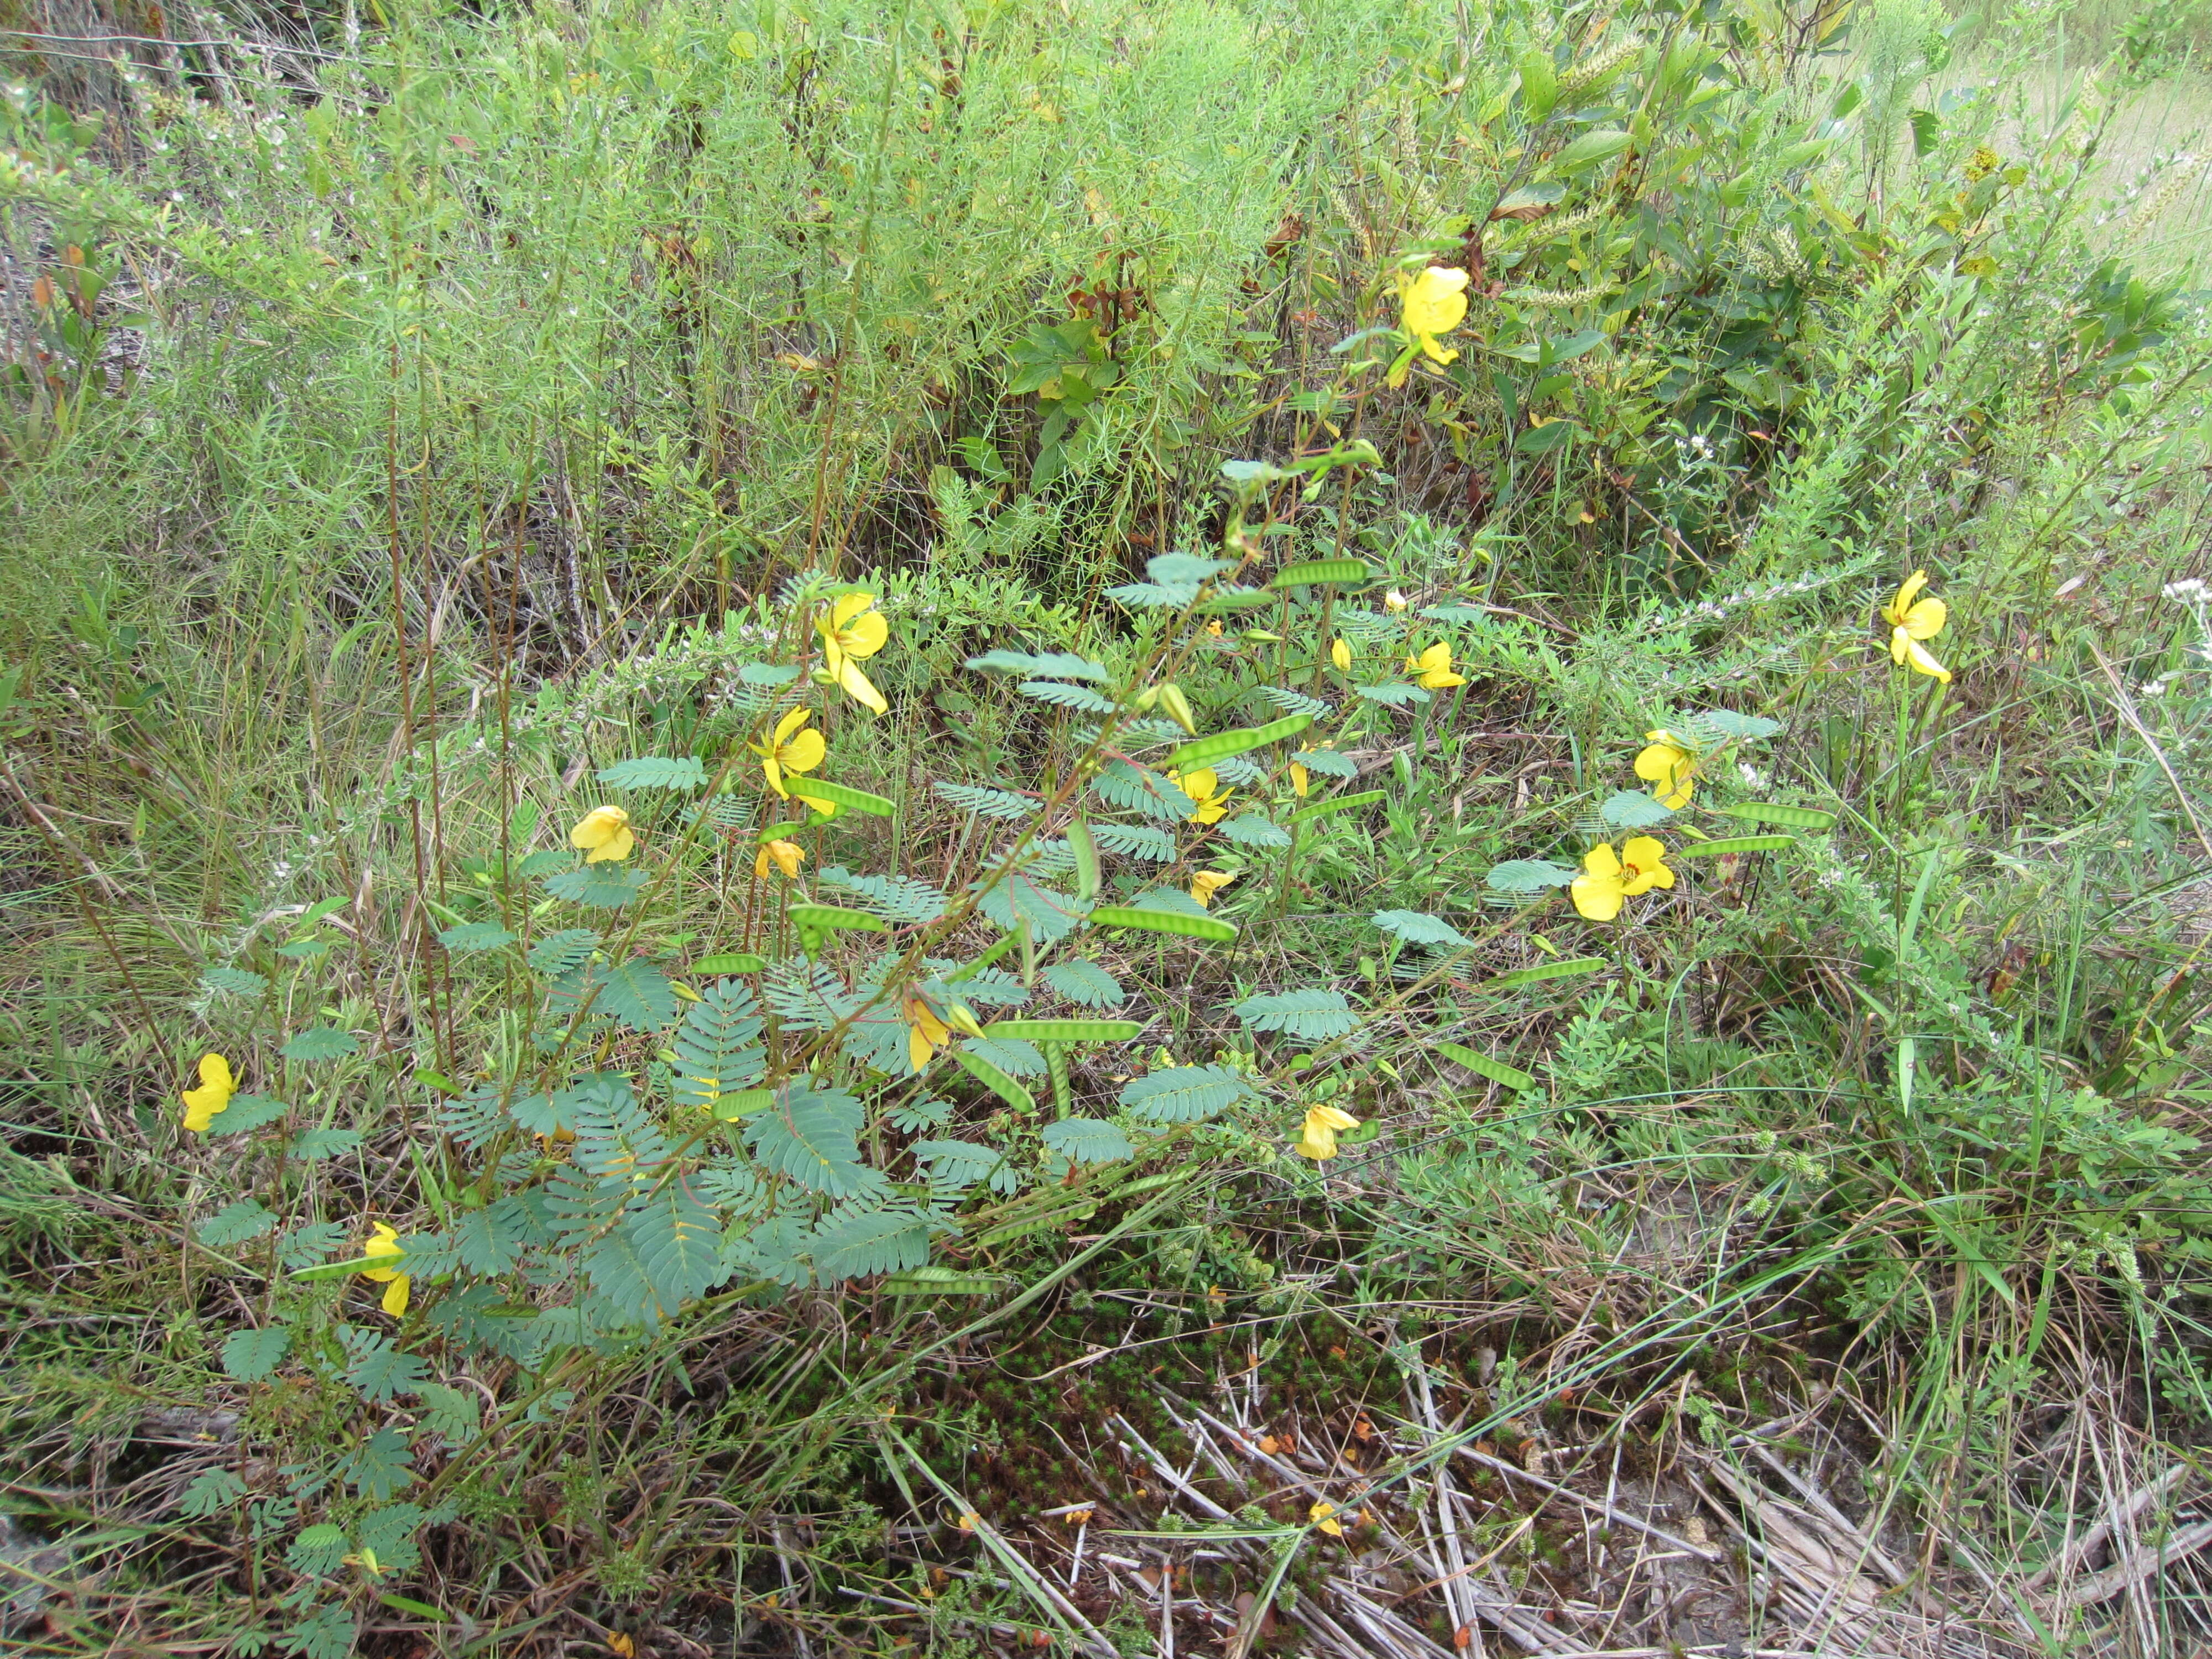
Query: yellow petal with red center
1597, 891
1644, 865
1925, 620
804, 752
1901, 602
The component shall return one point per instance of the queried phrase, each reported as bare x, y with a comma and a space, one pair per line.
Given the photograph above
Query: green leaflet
1483, 1066
1321, 809
1798, 817
1066, 1030
1222, 744
1699, 849
839, 794
996, 1081
1164, 921
1567, 969
1312, 572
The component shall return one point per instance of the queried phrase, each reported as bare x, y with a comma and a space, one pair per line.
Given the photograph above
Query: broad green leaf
1591, 148
810, 1134
1483, 1066
1702, 849
1321, 809
839, 794
1796, 817
1222, 745
1163, 921
1066, 1030
995, 1080
1567, 969
1314, 573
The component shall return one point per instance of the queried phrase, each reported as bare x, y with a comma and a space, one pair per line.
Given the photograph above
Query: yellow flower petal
1669, 768
804, 752
615, 849
784, 855
1598, 892
1901, 602
789, 724
395, 1296
1340, 654
1923, 661
1322, 1516
1925, 620
1300, 781
860, 688
212, 1097
1206, 883
1642, 860
773, 773
597, 827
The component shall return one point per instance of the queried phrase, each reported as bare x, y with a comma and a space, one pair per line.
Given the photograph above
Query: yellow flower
213, 1095
1202, 787
383, 1241
1669, 767
1434, 302
1607, 879
1301, 780
1433, 669
603, 832
1911, 620
789, 750
1317, 1141
1323, 1514
852, 629
784, 854
925, 1032
1206, 883
1394, 601
1340, 654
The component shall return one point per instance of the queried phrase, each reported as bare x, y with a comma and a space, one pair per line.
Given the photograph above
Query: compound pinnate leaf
249, 1356
1185, 1094
1305, 1016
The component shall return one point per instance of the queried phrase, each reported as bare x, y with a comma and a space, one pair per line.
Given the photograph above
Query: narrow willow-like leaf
1312, 572
1767, 812
996, 1081
1483, 1066
1066, 1030
1701, 849
835, 915
1163, 921
1321, 809
1567, 969
729, 962
1222, 744
839, 794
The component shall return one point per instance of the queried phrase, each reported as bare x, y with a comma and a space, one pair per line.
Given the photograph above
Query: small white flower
2190, 590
